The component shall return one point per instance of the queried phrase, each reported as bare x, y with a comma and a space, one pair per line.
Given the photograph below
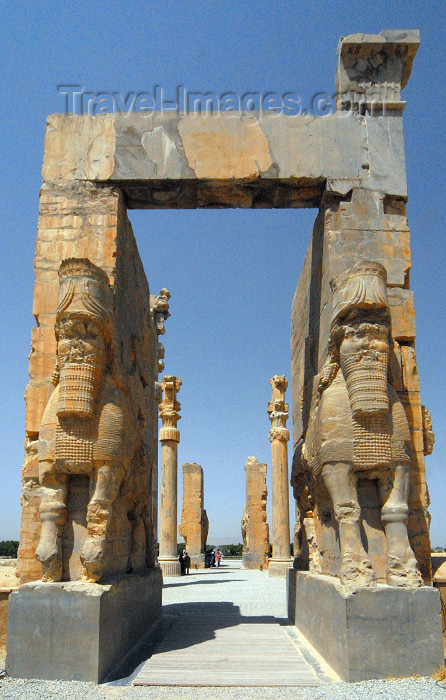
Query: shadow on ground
183, 625
189, 583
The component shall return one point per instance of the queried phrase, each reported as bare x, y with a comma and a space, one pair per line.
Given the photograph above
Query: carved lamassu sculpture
88, 429
358, 434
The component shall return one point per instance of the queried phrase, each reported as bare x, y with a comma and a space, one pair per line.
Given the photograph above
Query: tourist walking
186, 562
218, 558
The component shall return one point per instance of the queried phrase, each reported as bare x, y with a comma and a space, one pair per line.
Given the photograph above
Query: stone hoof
357, 571
50, 558
47, 552
92, 558
403, 575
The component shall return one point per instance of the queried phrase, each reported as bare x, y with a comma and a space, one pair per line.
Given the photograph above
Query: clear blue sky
232, 274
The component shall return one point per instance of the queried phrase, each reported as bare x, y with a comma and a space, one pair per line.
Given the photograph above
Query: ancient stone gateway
89, 496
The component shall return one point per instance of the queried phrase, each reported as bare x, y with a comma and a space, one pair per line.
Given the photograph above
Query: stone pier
279, 436
194, 524
169, 437
255, 529
360, 430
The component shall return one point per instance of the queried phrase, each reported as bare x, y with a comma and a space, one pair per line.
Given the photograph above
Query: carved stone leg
402, 567
53, 514
99, 512
341, 485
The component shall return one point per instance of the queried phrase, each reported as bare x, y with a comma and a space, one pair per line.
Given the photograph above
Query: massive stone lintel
368, 633
75, 631
173, 161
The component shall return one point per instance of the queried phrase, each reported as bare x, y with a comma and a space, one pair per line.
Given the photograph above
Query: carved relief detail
358, 429
428, 433
87, 426
169, 409
278, 409
372, 70
159, 309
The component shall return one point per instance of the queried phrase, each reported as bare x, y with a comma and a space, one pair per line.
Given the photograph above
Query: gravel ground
254, 594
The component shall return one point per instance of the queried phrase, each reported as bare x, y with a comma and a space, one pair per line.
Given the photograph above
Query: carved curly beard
365, 374
79, 385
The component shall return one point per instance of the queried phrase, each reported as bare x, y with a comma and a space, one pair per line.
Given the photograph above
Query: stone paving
235, 594
253, 593
219, 637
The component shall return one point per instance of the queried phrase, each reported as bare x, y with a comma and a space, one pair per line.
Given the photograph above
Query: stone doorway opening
232, 274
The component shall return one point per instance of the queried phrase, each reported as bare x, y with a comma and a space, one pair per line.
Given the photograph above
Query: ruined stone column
194, 522
159, 307
279, 436
254, 526
169, 437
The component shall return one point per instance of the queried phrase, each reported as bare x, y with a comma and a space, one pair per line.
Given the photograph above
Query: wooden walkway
229, 650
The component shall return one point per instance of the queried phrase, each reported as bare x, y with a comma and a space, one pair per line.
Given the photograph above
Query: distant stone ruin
255, 531
194, 526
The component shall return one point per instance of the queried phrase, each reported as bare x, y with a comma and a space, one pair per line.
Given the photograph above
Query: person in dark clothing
182, 567
186, 562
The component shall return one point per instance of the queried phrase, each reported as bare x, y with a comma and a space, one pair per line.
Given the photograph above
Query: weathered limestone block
373, 68
403, 314
382, 632
77, 631
9, 582
267, 160
279, 436
79, 149
169, 437
194, 524
254, 526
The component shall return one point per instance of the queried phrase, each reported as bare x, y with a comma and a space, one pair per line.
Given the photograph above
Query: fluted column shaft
169, 437
168, 504
281, 514
279, 436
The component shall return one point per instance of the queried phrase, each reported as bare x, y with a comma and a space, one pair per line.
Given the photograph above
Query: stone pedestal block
78, 631
4, 602
170, 566
278, 568
368, 633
